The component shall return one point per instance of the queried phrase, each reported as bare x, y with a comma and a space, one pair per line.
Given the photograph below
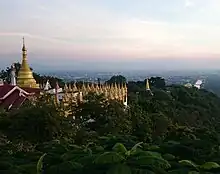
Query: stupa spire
70, 88
147, 85
23, 48
75, 87
66, 89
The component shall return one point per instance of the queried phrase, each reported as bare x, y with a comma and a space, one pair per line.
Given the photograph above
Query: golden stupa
25, 75
147, 85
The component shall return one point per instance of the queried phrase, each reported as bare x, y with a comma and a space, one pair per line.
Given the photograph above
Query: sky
111, 34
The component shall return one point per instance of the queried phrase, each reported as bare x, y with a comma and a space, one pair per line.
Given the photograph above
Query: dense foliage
175, 131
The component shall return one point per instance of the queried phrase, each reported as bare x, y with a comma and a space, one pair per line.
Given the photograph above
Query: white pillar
13, 77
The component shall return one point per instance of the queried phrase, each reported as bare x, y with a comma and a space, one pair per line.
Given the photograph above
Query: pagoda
25, 77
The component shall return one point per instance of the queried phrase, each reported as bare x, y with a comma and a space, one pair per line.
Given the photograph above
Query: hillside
177, 127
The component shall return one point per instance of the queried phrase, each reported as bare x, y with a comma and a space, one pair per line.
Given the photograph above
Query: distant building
198, 84
188, 85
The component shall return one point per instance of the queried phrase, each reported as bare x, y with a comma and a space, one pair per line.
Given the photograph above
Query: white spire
1, 82
47, 86
13, 78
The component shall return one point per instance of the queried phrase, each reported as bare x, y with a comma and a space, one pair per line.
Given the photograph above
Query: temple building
12, 97
25, 88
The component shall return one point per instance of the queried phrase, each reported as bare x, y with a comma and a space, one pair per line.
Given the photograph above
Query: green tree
102, 116
141, 123
157, 82
119, 79
36, 123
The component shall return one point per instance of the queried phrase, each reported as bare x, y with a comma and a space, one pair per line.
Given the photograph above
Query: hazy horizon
111, 35
117, 64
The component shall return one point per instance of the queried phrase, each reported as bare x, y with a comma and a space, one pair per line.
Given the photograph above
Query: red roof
14, 96
4, 89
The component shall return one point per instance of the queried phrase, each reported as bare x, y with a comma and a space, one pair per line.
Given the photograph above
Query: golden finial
88, 87
96, 89
105, 92
115, 89
120, 95
75, 87
104, 89
115, 85
111, 95
125, 85
123, 88
92, 87
83, 86
65, 87
100, 88
70, 87
115, 94
119, 86
97, 86
104, 86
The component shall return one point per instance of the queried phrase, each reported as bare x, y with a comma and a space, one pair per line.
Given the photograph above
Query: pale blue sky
58, 31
